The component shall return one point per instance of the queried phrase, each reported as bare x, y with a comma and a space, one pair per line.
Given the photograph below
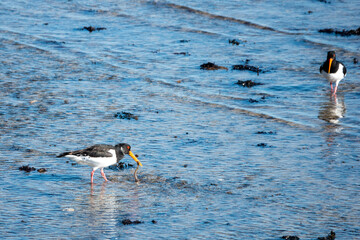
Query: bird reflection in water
107, 206
333, 110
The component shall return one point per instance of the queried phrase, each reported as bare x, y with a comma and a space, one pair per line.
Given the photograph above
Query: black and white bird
100, 156
334, 71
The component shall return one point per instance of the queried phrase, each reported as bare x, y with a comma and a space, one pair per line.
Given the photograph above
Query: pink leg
103, 174
335, 90
336, 86
92, 176
331, 87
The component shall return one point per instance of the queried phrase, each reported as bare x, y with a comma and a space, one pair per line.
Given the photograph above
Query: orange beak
135, 158
330, 61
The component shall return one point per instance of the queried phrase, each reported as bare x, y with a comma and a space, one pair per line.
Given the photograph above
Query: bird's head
126, 149
330, 58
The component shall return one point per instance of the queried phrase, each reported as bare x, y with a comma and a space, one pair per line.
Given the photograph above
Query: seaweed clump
247, 67
330, 236
27, 168
125, 115
129, 222
234, 42
344, 33
248, 83
211, 66
290, 237
92, 29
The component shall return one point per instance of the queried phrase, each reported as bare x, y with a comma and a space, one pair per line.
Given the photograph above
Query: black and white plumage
334, 71
100, 156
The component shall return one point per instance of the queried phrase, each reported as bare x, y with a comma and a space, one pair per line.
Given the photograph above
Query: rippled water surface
221, 161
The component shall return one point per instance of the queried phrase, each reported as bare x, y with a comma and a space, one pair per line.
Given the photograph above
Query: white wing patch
95, 162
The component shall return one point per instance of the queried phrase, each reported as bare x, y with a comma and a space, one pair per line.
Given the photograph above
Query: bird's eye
128, 147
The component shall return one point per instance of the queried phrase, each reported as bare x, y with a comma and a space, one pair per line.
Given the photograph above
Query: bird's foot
106, 180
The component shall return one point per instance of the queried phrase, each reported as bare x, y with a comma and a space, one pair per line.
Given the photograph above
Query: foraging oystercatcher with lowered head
334, 71
100, 156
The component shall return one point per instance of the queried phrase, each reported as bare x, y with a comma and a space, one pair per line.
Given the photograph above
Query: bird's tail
63, 154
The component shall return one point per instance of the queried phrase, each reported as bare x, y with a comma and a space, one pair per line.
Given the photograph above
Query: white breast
334, 77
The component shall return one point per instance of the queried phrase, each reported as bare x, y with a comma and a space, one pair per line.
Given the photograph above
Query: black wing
99, 150
344, 69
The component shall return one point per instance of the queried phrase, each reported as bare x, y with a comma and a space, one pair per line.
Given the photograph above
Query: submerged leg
103, 174
336, 86
335, 91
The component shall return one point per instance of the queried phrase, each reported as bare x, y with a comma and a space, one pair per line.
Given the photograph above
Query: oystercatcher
100, 156
334, 71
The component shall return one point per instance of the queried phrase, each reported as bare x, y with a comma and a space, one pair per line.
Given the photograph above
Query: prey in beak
135, 158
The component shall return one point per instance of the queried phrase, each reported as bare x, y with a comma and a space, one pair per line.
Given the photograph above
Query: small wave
220, 17
18, 43
204, 99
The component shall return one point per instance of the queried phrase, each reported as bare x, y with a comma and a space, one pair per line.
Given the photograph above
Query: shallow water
208, 173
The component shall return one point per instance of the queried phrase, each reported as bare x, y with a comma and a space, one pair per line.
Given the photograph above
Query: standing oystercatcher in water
334, 71
100, 156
